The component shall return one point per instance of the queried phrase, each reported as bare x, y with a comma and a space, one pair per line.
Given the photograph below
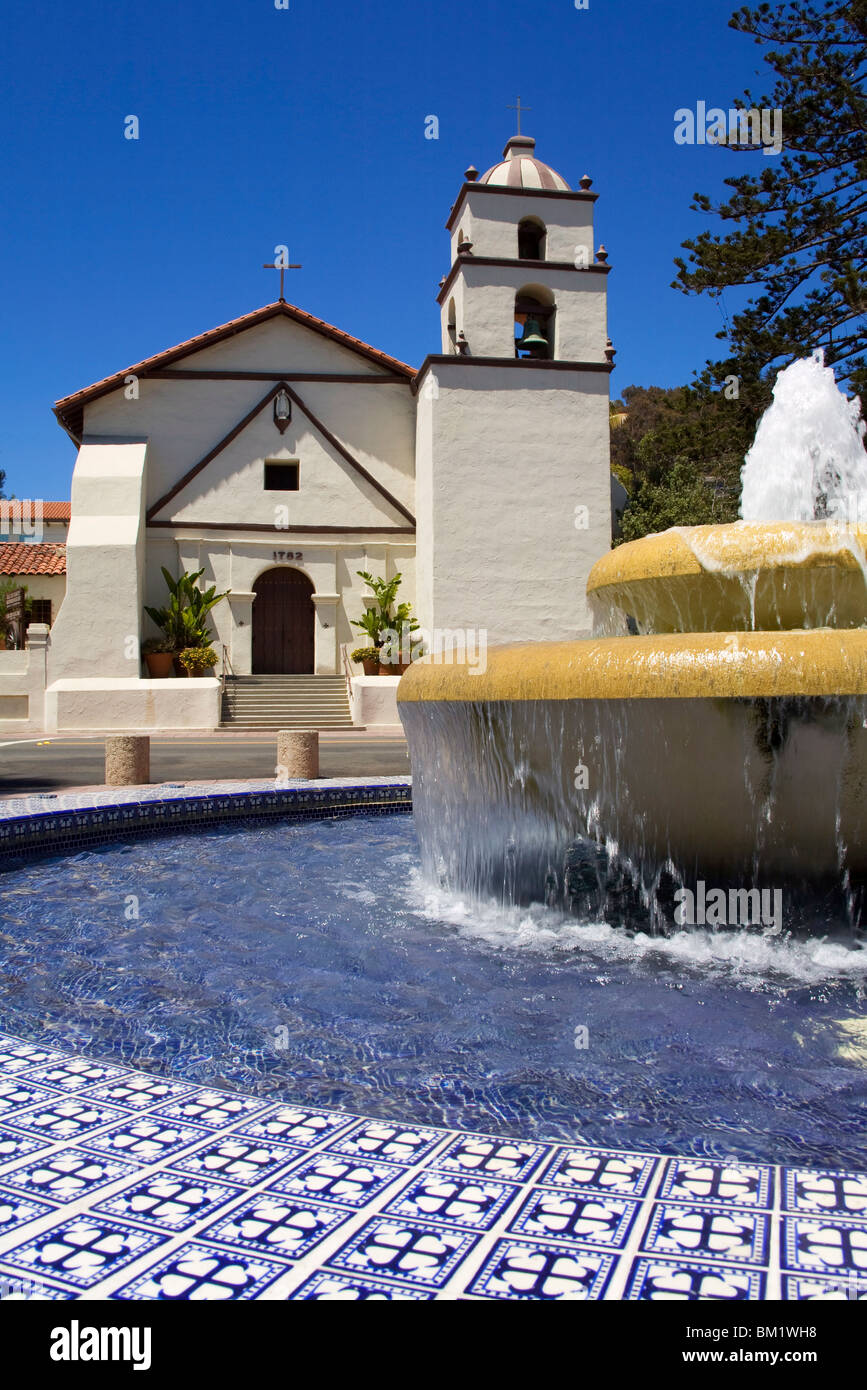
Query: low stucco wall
132, 705
22, 685
374, 700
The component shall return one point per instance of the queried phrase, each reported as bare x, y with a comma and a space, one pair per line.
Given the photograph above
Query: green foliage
156, 645
681, 498
703, 432
384, 618
365, 654
798, 236
184, 619
195, 660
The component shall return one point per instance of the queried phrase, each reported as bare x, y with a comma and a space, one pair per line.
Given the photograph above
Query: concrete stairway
286, 702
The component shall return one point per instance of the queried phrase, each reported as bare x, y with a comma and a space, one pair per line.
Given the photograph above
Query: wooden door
283, 623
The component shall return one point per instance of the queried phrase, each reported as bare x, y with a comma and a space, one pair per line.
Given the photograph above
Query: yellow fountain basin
703, 665
741, 577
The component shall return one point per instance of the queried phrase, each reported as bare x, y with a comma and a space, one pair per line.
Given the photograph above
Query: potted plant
198, 661
389, 628
158, 655
369, 658
184, 619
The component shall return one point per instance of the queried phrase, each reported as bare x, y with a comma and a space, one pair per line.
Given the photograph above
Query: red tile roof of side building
23, 507
70, 409
17, 557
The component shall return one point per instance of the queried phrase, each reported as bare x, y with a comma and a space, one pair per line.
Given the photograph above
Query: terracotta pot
159, 664
370, 668
390, 670
176, 662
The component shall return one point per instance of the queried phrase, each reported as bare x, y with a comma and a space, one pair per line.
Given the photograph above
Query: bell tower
512, 456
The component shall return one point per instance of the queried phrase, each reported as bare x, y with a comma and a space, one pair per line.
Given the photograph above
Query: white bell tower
512, 457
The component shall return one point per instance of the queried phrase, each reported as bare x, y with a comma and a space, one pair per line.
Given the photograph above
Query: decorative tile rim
482, 1249
69, 821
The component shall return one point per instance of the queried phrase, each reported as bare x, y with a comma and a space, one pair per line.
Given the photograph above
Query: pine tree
800, 238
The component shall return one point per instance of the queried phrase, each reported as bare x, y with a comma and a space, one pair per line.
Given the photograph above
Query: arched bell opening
535, 312
452, 327
532, 239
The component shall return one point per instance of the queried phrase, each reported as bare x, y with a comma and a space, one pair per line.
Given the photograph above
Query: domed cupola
520, 169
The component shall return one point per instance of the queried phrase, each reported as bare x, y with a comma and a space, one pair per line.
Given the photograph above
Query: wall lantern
282, 409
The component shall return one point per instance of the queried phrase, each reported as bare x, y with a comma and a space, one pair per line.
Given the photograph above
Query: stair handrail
347, 671
226, 662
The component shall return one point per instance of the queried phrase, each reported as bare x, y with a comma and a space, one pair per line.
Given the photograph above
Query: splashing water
808, 461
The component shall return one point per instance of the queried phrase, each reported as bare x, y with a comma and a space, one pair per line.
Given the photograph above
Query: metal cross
278, 265
520, 109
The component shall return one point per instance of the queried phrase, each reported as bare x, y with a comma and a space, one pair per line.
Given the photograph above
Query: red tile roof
70, 409
23, 507
18, 558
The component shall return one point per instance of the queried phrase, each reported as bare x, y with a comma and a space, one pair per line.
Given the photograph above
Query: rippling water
312, 962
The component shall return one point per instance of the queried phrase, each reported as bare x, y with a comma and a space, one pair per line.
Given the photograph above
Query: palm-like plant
184, 619
381, 619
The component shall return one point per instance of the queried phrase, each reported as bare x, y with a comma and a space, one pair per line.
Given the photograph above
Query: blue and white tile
508, 1159
211, 1109
601, 1170
75, 1073
413, 1252
714, 1233
723, 1184
17, 1210
71, 1119
170, 1201
277, 1226
824, 1245
824, 1192
14, 1146
202, 1273
66, 1175
328, 1285
299, 1125
523, 1269
16, 1056
19, 1093
455, 1200
144, 1139
587, 1218
333, 1177
845, 1288
403, 1144
692, 1281
16, 1287
81, 1251
238, 1159
137, 1091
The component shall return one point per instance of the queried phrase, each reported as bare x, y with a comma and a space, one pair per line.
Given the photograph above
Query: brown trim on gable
70, 409
351, 379
461, 261
579, 197
525, 364
317, 425
217, 449
288, 531
350, 458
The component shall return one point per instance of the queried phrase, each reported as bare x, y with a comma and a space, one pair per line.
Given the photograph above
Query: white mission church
281, 455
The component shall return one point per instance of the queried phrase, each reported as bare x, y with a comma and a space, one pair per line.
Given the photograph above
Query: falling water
808, 462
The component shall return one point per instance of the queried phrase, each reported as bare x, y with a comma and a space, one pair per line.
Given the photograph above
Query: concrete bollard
298, 753
127, 760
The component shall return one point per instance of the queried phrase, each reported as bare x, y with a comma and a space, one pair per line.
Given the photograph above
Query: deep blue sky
261, 126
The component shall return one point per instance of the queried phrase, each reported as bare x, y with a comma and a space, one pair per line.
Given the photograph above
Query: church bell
533, 338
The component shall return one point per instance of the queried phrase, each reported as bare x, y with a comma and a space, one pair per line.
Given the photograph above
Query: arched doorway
283, 624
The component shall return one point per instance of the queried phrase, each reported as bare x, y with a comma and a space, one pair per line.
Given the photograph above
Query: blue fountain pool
311, 961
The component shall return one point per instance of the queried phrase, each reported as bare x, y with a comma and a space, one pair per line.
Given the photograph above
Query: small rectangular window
281, 477
40, 611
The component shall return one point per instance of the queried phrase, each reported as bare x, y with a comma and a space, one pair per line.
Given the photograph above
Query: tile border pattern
119, 1184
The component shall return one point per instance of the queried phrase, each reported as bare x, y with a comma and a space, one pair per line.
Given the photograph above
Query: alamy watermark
733, 907
443, 646
22, 519
740, 127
